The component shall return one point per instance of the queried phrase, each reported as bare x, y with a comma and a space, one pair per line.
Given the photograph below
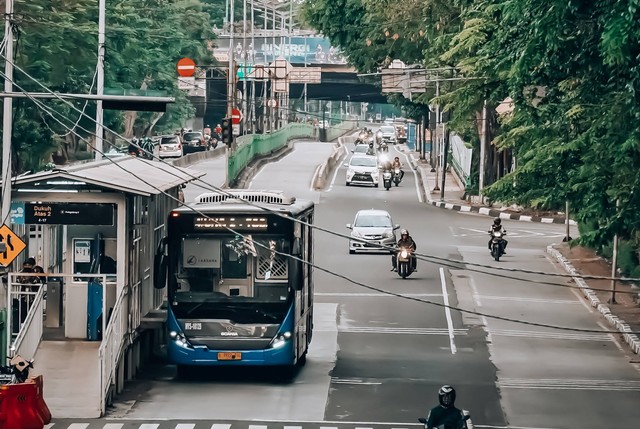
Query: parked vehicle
17, 371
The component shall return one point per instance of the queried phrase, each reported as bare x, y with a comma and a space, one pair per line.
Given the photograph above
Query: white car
363, 170
375, 228
170, 146
388, 134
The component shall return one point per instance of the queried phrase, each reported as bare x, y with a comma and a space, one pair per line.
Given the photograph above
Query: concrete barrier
324, 171
195, 157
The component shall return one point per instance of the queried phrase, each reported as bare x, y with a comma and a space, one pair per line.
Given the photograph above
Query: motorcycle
397, 176
379, 137
17, 371
497, 244
383, 147
386, 179
464, 424
405, 267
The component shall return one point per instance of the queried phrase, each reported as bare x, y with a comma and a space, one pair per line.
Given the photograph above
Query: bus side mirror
160, 265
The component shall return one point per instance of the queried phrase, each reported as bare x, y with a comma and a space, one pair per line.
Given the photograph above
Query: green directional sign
244, 70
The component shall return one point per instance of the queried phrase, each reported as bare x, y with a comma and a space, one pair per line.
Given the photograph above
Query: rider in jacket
497, 226
398, 164
405, 242
446, 413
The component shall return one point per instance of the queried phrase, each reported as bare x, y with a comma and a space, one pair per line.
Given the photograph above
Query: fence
113, 342
30, 334
461, 158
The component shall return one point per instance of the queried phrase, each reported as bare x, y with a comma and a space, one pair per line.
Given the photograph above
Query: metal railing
30, 334
113, 343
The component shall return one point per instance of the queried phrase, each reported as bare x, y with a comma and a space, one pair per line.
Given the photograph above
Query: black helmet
497, 221
447, 396
396, 158
370, 144
404, 232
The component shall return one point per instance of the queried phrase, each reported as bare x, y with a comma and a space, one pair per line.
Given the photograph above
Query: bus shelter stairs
71, 372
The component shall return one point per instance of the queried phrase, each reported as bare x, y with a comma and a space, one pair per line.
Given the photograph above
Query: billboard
297, 50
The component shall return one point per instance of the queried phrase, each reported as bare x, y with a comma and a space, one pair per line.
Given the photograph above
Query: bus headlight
179, 338
280, 340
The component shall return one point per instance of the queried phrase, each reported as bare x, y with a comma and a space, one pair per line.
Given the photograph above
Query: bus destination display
238, 223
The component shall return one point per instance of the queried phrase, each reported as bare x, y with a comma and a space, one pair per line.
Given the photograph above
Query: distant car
375, 227
363, 170
193, 141
389, 134
170, 146
361, 149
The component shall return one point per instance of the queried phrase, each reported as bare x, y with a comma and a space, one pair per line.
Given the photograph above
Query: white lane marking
569, 384
221, 426
415, 174
476, 294
355, 381
335, 174
183, 426
397, 331
375, 294
612, 337
552, 335
48, 426
342, 422
258, 426
447, 312
524, 299
149, 426
581, 300
116, 426
80, 426
292, 427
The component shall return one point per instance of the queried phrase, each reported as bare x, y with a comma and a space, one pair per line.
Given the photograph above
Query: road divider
195, 157
326, 169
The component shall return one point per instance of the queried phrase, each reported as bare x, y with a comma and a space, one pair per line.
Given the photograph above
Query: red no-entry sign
236, 116
186, 67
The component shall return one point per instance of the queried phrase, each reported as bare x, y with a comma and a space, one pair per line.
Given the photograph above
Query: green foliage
57, 45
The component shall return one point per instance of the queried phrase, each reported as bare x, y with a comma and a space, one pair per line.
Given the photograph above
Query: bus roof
259, 202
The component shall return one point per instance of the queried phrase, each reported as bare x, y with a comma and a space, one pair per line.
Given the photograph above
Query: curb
623, 327
487, 211
324, 170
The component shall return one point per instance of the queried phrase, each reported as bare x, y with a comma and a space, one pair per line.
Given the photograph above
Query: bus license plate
229, 356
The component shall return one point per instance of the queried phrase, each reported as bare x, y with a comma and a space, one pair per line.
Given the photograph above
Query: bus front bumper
202, 356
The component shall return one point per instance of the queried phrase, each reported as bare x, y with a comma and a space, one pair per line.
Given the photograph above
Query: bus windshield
231, 277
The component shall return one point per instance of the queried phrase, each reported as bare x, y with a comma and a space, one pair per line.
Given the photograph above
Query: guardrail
30, 334
113, 342
252, 146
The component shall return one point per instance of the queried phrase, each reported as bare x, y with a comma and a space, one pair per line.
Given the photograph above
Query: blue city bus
240, 297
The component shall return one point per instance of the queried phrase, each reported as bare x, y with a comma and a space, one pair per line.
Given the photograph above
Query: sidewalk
454, 192
622, 316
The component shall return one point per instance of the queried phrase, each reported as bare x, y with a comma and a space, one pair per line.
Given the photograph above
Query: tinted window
361, 148
388, 129
364, 161
373, 220
169, 140
192, 136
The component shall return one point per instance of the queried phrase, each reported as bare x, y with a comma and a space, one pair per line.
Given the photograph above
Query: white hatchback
374, 230
363, 170
170, 146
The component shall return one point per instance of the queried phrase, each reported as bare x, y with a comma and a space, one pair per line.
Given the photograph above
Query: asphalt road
377, 360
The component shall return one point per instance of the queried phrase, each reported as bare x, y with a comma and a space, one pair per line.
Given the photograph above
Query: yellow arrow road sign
13, 245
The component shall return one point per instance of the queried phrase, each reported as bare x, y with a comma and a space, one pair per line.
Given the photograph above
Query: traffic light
227, 132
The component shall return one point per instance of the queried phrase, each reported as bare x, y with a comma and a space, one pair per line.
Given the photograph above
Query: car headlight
388, 234
375, 173
355, 234
179, 339
280, 340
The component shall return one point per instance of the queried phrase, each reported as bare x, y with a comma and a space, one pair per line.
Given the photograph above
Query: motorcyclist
497, 226
405, 242
218, 129
371, 151
133, 147
398, 164
445, 413
207, 130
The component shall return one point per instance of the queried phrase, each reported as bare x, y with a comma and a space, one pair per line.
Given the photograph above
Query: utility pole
483, 148
100, 79
253, 63
447, 135
614, 263
244, 68
231, 74
437, 140
7, 119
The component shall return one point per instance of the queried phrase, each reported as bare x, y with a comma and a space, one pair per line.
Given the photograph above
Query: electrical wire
328, 271
428, 258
